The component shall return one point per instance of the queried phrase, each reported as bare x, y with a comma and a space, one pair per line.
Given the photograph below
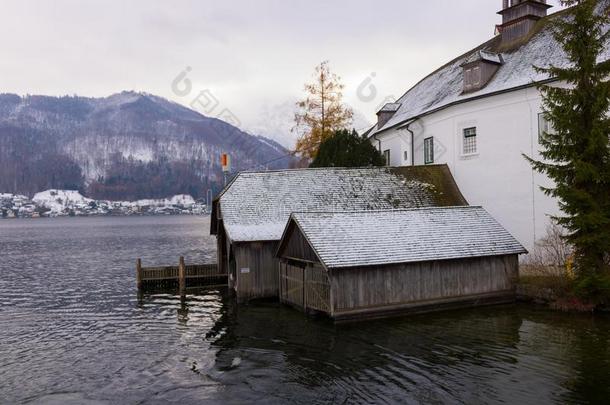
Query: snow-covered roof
444, 87
390, 107
354, 239
256, 206
486, 56
491, 57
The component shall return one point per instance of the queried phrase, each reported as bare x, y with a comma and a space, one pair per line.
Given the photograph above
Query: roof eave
354, 266
501, 12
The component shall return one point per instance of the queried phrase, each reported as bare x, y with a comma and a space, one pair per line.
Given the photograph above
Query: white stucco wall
498, 177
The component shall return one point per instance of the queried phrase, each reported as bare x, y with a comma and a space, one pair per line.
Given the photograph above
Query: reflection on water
72, 330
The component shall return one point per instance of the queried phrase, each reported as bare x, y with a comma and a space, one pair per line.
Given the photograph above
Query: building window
405, 156
476, 76
469, 141
429, 150
386, 156
472, 78
544, 126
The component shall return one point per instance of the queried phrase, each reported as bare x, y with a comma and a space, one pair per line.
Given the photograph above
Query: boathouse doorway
305, 286
232, 269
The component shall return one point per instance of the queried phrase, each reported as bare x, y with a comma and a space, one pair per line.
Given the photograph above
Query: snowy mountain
125, 146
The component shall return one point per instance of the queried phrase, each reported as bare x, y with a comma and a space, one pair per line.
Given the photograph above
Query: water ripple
72, 330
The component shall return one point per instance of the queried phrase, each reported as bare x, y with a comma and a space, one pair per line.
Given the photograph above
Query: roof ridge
350, 212
304, 169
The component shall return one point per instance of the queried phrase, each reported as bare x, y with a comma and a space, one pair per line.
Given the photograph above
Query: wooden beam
182, 277
139, 273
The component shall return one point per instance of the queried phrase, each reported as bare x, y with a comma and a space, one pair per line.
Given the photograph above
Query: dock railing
181, 276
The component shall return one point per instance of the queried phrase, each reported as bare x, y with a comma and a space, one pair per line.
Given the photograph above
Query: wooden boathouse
357, 265
251, 213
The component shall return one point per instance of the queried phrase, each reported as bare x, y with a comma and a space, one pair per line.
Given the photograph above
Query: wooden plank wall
291, 285
317, 289
407, 283
305, 286
257, 270
296, 246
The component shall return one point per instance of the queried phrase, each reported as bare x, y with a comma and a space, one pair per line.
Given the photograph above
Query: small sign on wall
245, 270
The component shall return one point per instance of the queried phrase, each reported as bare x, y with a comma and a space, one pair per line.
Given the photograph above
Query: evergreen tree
347, 149
576, 152
321, 112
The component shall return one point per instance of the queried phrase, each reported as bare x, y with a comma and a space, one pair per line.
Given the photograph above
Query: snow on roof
486, 56
390, 107
352, 239
491, 57
444, 87
257, 205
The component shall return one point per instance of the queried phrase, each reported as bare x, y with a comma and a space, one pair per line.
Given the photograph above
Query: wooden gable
294, 245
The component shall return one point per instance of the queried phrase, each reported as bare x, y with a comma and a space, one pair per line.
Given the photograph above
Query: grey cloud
252, 54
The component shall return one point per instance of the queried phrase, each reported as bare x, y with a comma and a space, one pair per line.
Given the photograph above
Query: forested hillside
126, 146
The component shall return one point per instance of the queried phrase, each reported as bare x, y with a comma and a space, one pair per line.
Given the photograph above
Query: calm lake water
72, 330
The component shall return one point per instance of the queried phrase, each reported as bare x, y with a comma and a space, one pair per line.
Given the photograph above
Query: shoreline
106, 216
548, 297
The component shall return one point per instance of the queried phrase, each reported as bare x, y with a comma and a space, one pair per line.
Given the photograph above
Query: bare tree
321, 112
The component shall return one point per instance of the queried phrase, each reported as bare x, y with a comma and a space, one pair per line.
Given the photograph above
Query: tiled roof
444, 87
257, 205
353, 239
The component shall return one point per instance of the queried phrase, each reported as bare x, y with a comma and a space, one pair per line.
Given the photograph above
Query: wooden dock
179, 277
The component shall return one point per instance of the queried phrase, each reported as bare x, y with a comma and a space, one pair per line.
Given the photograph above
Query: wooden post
139, 273
182, 277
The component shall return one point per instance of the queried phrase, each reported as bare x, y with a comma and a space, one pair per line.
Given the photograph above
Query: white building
479, 114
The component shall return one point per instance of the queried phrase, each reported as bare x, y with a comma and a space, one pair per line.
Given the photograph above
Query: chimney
519, 17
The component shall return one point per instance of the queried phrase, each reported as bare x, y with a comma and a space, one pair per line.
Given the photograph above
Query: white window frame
476, 140
386, 156
476, 79
468, 78
544, 125
429, 150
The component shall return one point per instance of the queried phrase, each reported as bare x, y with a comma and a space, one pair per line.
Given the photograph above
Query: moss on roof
257, 205
445, 190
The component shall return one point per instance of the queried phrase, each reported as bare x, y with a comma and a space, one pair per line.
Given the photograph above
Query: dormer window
476, 76
479, 69
386, 112
472, 77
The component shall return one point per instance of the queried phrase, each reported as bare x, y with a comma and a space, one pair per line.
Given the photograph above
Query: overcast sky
251, 57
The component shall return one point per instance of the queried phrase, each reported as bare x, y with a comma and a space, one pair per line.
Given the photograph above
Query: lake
73, 331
